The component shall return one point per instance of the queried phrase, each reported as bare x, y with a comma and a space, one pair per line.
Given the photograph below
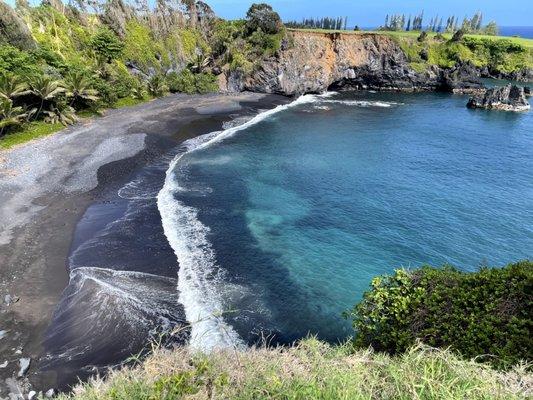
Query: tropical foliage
92, 55
10, 115
486, 314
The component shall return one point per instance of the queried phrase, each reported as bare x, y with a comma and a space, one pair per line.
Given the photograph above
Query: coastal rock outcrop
312, 62
507, 98
462, 78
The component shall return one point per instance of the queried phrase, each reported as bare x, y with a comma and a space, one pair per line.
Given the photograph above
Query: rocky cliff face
13, 29
311, 62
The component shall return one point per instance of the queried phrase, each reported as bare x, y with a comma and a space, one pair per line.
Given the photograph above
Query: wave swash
199, 276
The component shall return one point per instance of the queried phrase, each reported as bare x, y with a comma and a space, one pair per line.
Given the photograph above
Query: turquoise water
288, 220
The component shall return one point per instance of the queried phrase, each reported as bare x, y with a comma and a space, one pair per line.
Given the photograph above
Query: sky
371, 13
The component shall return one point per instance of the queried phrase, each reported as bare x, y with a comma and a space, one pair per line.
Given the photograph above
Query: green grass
31, 131
414, 34
310, 370
130, 101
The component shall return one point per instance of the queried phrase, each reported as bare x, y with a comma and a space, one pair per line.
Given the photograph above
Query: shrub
121, 80
489, 312
422, 37
182, 82
106, 92
16, 61
206, 83
107, 45
224, 35
266, 44
10, 116
240, 63
157, 86
140, 46
458, 35
187, 82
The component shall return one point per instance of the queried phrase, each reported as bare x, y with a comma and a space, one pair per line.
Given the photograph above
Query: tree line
337, 23
474, 24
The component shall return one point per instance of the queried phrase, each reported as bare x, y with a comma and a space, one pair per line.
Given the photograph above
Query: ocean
281, 224
521, 31
268, 230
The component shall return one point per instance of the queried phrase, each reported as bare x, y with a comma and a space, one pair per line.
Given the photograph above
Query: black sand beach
56, 197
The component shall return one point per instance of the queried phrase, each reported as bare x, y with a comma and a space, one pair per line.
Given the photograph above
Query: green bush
266, 44
182, 82
122, 81
157, 86
106, 92
187, 82
13, 60
206, 83
107, 45
225, 34
486, 314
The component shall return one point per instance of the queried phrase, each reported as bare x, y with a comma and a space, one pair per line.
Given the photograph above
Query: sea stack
506, 98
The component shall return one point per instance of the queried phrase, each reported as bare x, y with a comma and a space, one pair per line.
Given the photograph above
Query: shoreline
49, 183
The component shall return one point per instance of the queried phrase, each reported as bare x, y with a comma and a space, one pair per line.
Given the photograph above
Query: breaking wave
199, 277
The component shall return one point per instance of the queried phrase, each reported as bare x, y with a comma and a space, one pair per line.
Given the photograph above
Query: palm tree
78, 87
46, 88
11, 86
61, 113
10, 115
138, 92
157, 86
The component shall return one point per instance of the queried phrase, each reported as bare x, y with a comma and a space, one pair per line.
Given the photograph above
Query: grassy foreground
310, 370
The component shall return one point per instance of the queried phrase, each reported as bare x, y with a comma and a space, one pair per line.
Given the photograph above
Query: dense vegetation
242, 44
65, 61
310, 370
486, 315
497, 55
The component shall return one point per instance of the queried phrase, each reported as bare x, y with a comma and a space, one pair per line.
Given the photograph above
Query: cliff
310, 62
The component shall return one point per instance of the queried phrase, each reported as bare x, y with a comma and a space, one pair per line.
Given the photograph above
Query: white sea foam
199, 277
364, 103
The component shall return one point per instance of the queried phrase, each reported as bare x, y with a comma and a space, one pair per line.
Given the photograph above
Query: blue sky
372, 12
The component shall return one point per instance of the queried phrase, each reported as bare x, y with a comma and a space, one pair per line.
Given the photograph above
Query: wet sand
46, 186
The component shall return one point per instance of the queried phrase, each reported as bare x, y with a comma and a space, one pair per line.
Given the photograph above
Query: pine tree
479, 22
